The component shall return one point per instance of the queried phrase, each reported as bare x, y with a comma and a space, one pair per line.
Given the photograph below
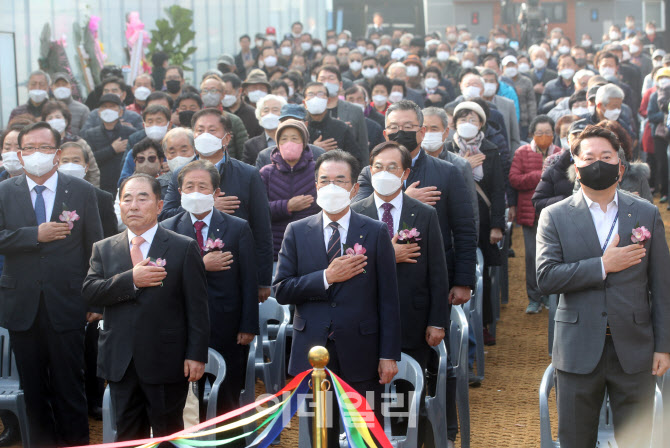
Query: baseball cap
296, 111
578, 126
110, 98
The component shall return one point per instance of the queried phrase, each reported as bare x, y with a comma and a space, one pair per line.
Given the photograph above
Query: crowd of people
352, 178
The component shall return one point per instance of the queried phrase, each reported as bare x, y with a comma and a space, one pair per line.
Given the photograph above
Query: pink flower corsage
408, 236
356, 250
69, 217
213, 245
640, 235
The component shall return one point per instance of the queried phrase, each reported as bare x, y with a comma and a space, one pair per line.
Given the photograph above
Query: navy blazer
56, 269
423, 286
233, 294
454, 211
244, 181
362, 313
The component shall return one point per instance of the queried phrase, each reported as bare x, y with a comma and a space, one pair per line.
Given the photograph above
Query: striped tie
334, 249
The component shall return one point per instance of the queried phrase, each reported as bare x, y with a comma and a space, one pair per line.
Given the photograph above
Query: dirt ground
505, 409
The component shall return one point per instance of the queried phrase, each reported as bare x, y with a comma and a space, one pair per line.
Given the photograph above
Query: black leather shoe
11, 435
510, 253
95, 413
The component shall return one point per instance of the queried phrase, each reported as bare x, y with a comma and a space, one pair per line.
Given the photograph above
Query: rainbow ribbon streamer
353, 408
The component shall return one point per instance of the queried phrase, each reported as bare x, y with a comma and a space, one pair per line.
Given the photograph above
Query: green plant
173, 36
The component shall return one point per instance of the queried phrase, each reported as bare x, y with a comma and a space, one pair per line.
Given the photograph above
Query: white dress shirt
342, 227
49, 194
205, 230
603, 222
396, 210
148, 239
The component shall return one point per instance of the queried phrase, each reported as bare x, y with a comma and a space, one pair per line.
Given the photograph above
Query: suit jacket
252, 147
547, 75
232, 294
416, 96
383, 29
362, 313
241, 180
454, 212
466, 170
351, 113
423, 287
55, 270
108, 160
110, 225
159, 327
634, 301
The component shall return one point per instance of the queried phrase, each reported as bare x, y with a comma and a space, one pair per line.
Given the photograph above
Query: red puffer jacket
524, 175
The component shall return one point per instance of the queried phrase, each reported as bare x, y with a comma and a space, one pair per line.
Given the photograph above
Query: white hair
581, 73
535, 48
261, 103
175, 132
396, 65
607, 92
467, 75
40, 73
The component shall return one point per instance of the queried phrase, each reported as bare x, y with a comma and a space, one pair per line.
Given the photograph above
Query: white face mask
443, 56
663, 82
333, 199
467, 64
37, 95
412, 70
177, 162
614, 35
564, 49
59, 124
291, 91
156, 132
634, 48
197, 203
657, 63
379, 100
567, 73
539, 63
362, 106
471, 92
432, 141
270, 121
318, 49
591, 109
626, 55
256, 95
431, 83
332, 88
394, 97
490, 89
511, 72
650, 30
316, 105
109, 115
142, 93
607, 71
341, 42
361, 49
211, 99
555, 41
285, 51
207, 144
586, 43
62, 93
565, 144
331, 48
579, 111
370, 52
355, 65
11, 163
369, 73
306, 46
524, 68
612, 114
376, 41
467, 130
38, 164
72, 169
385, 183
270, 61
500, 40
228, 100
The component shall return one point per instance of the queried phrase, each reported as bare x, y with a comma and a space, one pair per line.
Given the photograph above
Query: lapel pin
66, 191
629, 215
412, 214
361, 236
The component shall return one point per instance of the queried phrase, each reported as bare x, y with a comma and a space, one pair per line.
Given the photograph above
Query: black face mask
599, 175
185, 117
581, 62
432, 52
173, 86
405, 138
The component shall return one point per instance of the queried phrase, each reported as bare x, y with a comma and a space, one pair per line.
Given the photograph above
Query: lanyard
616, 218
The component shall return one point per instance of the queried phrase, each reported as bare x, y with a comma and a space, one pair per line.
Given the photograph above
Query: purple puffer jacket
282, 183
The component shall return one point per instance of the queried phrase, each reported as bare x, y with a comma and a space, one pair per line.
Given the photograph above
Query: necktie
198, 234
135, 252
387, 218
40, 208
334, 249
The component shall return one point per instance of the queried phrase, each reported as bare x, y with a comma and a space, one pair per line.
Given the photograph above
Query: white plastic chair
436, 405
271, 353
458, 344
11, 394
408, 370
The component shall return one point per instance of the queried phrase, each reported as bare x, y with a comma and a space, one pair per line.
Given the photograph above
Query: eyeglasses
206, 91
43, 149
141, 159
540, 134
406, 127
391, 168
473, 120
315, 94
339, 182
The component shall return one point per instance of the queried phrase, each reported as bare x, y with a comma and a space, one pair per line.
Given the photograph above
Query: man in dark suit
40, 287
423, 283
151, 283
232, 285
74, 162
612, 328
242, 190
540, 74
347, 303
377, 26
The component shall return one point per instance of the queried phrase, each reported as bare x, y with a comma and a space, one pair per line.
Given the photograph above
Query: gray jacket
466, 170
634, 302
508, 110
352, 114
79, 113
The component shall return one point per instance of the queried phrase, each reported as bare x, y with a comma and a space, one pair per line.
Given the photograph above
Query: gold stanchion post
318, 357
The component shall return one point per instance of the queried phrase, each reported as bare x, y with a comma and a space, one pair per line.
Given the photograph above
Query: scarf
471, 146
